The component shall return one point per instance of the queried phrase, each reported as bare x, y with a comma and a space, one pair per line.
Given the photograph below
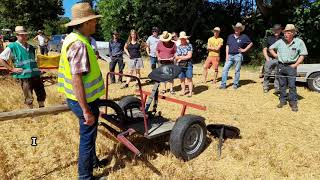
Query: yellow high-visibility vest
92, 81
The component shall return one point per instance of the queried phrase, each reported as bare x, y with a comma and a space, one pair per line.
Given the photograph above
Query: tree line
196, 17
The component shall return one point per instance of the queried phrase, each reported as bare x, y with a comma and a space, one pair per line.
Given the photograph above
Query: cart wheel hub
193, 138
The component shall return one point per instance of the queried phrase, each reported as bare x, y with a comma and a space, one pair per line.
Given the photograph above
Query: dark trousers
88, 135
44, 49
114, 61
289, 80
29, 85
270, 65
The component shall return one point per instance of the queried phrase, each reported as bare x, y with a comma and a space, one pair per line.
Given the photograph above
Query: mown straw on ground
275, 143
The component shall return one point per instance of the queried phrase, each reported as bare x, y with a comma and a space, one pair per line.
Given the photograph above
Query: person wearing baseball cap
214, 45
290, 52
25, 67
271, 62
116, 47
152, 43
80, 80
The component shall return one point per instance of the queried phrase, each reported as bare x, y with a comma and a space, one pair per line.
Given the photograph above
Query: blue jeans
290, 81
153, 62
233, 59
186, 72
88, 135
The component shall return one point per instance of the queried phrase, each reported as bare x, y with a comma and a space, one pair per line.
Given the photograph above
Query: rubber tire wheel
178, 133
129, 102
311, 82
113, 105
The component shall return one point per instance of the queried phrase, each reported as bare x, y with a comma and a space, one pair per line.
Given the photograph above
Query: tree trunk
264, 10
23, 113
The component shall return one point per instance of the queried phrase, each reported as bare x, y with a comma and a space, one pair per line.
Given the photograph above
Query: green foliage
55, 27
307, 20
31, 14
196, 17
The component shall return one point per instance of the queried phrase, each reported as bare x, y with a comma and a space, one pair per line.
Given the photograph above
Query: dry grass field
275, 143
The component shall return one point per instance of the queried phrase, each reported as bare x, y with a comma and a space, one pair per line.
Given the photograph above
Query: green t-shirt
289, 53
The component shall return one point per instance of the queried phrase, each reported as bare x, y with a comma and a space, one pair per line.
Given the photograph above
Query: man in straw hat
271, 62
291, 51
42, 41
165, 52
214, 45
25, 67
81, 82
237, 44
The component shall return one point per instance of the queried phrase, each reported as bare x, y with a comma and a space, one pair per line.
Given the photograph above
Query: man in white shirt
152, 42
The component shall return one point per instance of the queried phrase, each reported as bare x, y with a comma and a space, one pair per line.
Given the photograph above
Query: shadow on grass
122, 156
59, 168
243, 82
200, 89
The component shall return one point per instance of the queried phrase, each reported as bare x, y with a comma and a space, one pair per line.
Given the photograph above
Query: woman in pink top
166, 50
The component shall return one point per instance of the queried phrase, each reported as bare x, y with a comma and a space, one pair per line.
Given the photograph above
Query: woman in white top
42, 41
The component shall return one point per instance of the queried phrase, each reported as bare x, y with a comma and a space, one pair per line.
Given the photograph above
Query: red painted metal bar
183, 111
196, 106
141, 97
121, 137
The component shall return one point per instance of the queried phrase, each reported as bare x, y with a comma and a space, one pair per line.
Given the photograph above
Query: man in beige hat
81, 82
25, 67
165, 52
213, 59
291, 51
42, 42
237, 44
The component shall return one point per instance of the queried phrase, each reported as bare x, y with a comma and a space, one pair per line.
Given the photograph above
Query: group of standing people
285, 54
168, 48
282, 54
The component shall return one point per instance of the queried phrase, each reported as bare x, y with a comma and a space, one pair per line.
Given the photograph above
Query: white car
309, 73
103, 49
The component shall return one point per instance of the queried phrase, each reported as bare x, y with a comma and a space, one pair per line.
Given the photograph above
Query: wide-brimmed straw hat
183, 35
240, 26
290, 27
216, 29
20, 30
165, 36
81, 12
39, 31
